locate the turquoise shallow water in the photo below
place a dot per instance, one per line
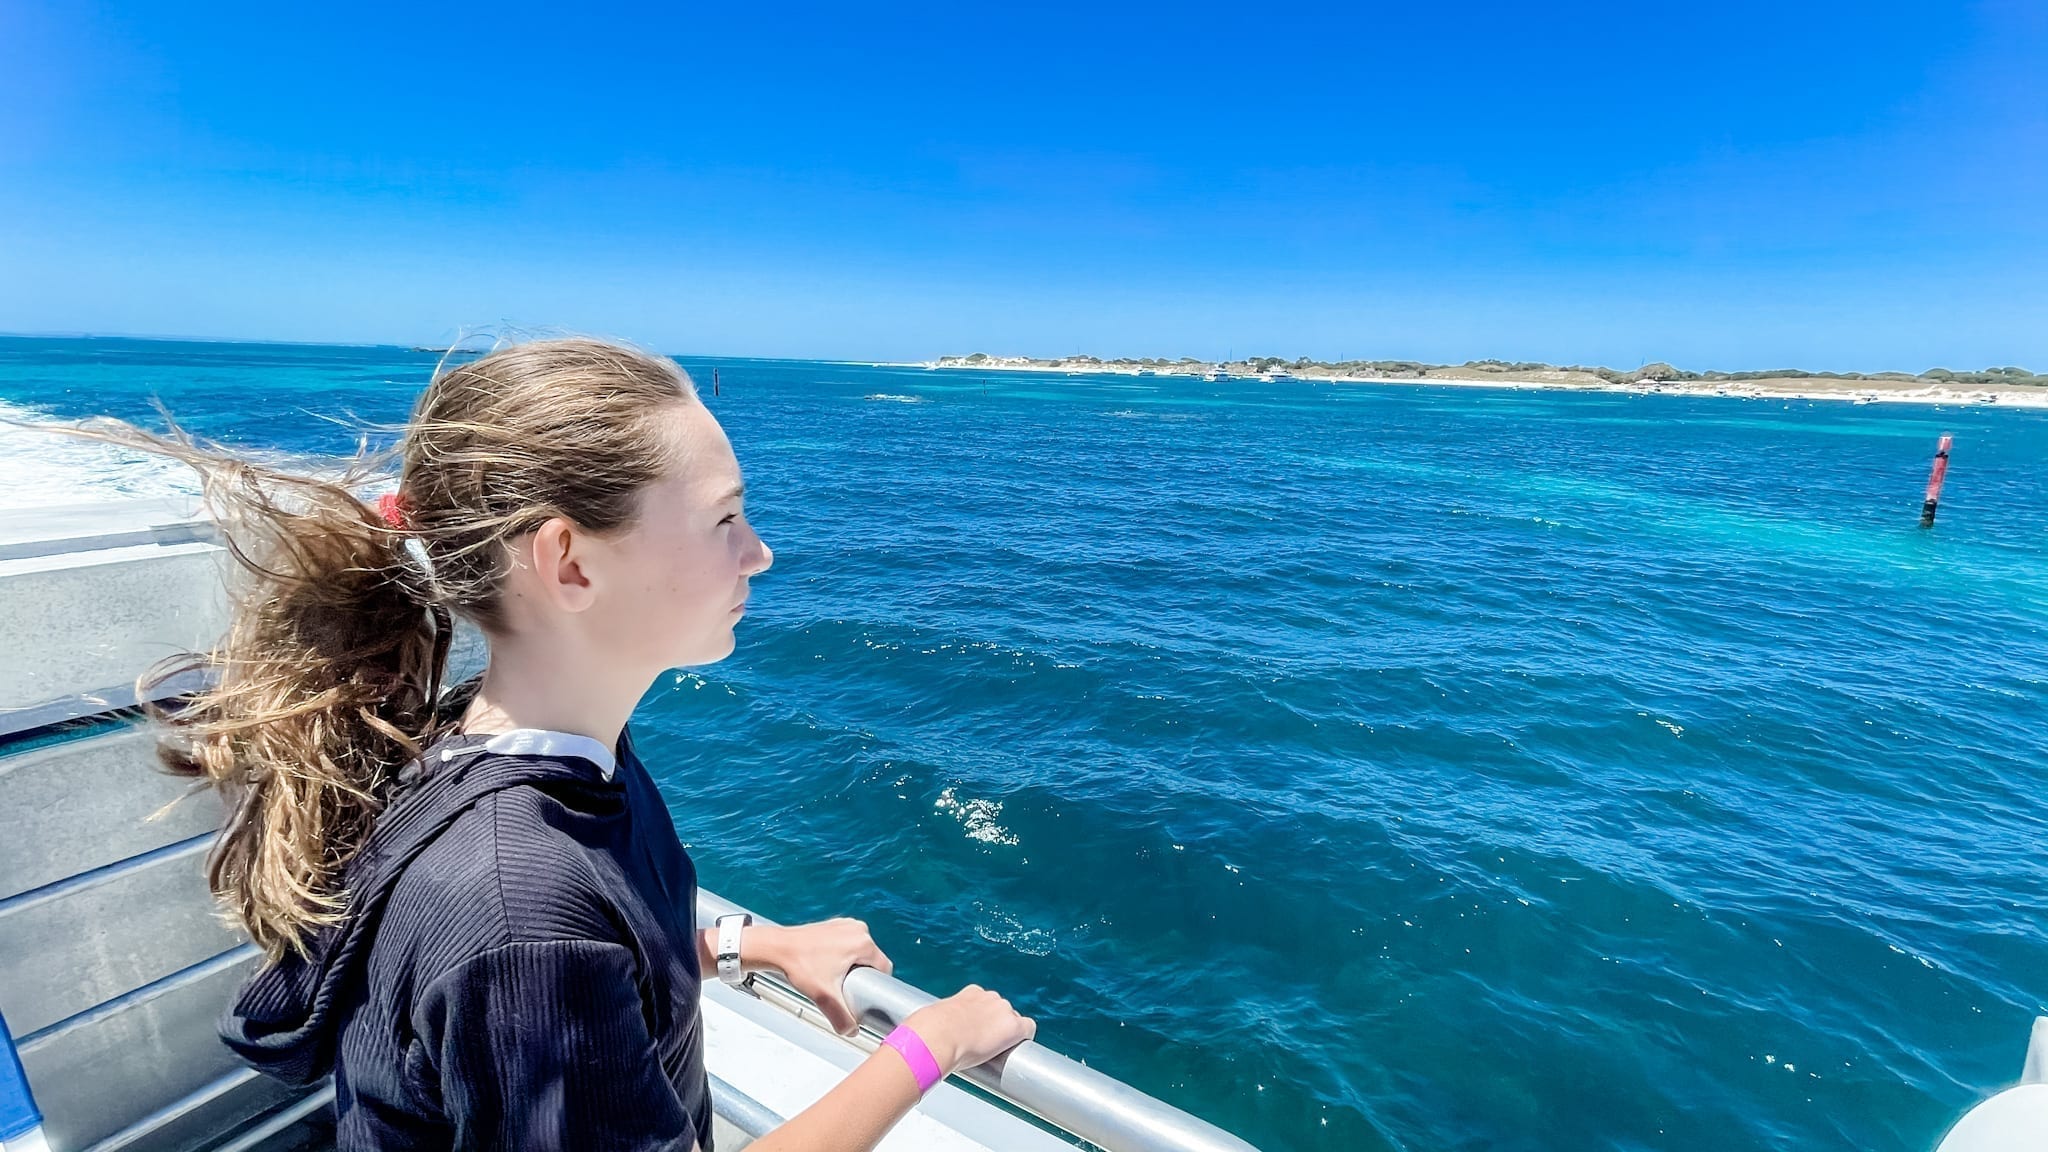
(1360, 767)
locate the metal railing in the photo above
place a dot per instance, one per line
(742, 1111)
(1065, 1093)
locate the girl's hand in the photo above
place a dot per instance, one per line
(816, 958)
(970, 1027)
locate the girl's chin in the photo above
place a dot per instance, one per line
(713, 652)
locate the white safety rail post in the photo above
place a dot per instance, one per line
(2015, 1120)
(2035, 1069)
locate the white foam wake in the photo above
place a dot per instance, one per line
(40, 469)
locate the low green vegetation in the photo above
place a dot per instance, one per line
(2005, 376)
(1416, 370)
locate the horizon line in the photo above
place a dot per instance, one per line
(937, 359)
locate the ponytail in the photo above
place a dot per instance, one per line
(321, 690)
(328, 681)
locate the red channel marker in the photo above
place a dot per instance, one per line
(1934, 480)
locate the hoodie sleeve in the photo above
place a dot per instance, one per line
(544, 1046)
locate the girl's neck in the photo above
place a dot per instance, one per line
(554, 685)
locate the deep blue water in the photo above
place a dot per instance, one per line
(1362, 767)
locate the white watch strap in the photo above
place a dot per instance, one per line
(729, 946)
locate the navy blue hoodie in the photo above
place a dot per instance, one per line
(518, 967)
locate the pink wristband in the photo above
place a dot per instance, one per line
(911, 1047)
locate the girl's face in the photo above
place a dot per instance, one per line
(677, 580)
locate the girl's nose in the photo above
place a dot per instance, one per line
(763, 559)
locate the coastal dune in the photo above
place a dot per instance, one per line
(2007, 387)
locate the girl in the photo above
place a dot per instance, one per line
(477, 914)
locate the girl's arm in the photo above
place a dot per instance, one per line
(814, 957)
(543, 1046)
(963, 1030)
(854, 1115)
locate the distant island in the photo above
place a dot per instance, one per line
(2015, 386)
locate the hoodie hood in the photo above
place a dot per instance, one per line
(286, 1019)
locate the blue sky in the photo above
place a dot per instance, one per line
(1733, 185)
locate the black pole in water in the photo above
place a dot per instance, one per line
(1934, 480)
(714, 381)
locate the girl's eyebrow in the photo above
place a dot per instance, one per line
(739, 491)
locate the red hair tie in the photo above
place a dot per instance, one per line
(396, 510)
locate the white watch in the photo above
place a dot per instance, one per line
(729, 946)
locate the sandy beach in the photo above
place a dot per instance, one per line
(1891, 389)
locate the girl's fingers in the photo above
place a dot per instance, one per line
(836, 1013)
(875, 958)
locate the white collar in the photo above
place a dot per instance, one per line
(544, 742)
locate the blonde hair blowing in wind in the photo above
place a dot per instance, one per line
(324, 686)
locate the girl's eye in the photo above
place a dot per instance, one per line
(730, 519)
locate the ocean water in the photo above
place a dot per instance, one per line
(1358, 767)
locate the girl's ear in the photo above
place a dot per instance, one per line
(560, 553)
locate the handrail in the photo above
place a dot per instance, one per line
(165, 535)
(283, 1118)
(176, 1110)
(24, 719)
(104, 874)
(155, 989)
(1065, 1093)
(744, 1112)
